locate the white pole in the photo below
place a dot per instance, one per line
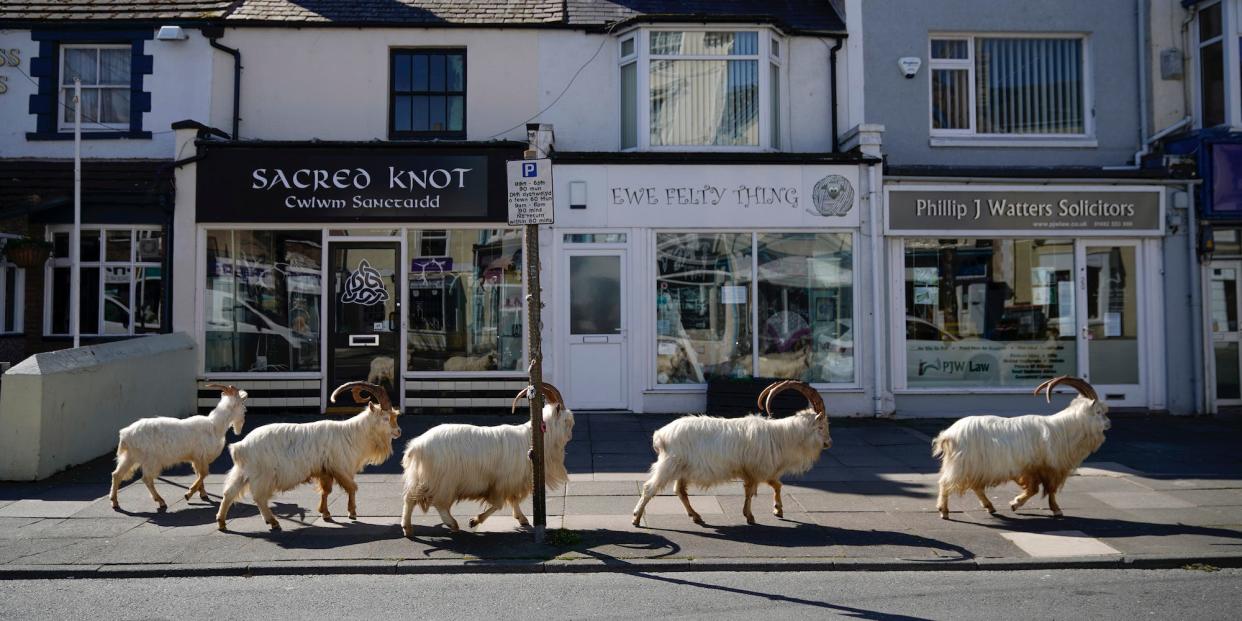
(75, 244)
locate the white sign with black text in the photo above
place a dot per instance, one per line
(530, 192)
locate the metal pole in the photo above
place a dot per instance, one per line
(75, 244)
(533, 306)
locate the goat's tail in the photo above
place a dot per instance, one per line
(237, 480)
(941, 446)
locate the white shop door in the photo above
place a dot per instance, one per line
(596, 376)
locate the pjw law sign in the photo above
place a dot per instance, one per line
(1043, 210)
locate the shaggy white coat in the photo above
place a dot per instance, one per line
(704, 451)
(156, 444)
(978, 452)
(279, 457)
(490, 464)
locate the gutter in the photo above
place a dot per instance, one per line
(213, 35)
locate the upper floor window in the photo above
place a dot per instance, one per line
(707, 89)
(1211, 36)
(104, 71)
(1008, 86)
(428, 94)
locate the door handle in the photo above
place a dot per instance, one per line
(364, 340)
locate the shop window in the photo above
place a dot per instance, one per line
(1008, 86)
(12, 293)
(701, 89)
(988, 312)
(121, 282)
(428, 94)
(801, 325)
(262, 300)
(465, 300)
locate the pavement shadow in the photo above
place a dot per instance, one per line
(805, 534)
(1103, 527)
(845, 611)
(519, 545)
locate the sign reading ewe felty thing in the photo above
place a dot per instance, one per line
(317, 184)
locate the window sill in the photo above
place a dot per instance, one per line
(103, 135)
(1025, 143)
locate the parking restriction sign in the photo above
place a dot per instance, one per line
(530, 192)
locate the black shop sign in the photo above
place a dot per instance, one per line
(349, 184)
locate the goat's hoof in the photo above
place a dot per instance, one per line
(275, 528)
(162, 508)
(188, 495)
(220, 525)
(636, 521)
(1057, 514)
(204, 497)
(991, 510)
(407, 531)
(944, 515)
(778, 513)
(750, 520)
(353, 516)
(116, 506)
(523, 523)
(472, 523)
(1013, 506)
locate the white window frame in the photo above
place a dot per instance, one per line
(860, 353)
(19, 292)
(642, 57)
(89, 123)
(102, 263)
(1231, 45)
(970, 136)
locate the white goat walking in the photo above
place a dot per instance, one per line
(491, 464)
(155, 444)
(279, 457)
(978, 452)
(706, 451)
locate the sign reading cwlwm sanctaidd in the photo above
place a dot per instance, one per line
(530, 192)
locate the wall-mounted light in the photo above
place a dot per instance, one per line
(171, 33)
(577, 195)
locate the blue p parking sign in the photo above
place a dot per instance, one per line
(530, 191)
(530, 169)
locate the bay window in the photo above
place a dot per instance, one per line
(754, 304)
(1008, 86)
(121, 282)
(717, 89)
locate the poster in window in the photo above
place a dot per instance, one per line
(926, 295)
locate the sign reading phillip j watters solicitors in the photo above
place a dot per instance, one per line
(1043, 210)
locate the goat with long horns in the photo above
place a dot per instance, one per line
(278, 457)
(706, 450)
(978, 452)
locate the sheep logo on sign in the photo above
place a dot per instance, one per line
(364, 286)
(833, 196)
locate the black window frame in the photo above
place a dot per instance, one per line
(393, 134)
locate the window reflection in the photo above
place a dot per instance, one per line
(465, 300)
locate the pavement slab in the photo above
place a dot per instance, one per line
(870, 500)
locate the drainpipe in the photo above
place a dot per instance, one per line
(1198, 374)
(879, 325)
(832, 76)
(213, 35)
(1142, 73)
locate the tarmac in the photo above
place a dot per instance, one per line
(1162, 492)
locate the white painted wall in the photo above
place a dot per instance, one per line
(179, 86)
(63, 408)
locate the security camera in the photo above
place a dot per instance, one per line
(909, 66)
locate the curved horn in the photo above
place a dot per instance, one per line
(521, 393)
(812, 396)
(1076, 383)
(1040, 388)
(553, 395)
(364, 391)
(229, 390)
(762, 402)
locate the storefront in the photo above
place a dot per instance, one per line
(998, 287)
(322, 263)
(666, 273)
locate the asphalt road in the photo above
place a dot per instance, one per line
(1063, 594)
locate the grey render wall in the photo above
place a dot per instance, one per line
(893, 29)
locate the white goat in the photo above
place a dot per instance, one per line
(466, 462)
(383, 369)
(706, 451)
(485, 362)
(281, 456)
(978, 452)
(155, 444)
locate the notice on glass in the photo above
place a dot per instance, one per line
(1041, 296)
(1112, 324)
(732, 294)
(926, 295)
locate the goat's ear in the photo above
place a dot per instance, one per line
(242, 395)
(819, 418)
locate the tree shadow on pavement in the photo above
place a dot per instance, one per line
(845, 611)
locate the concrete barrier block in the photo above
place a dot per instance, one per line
(62, 408)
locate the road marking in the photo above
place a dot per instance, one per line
(1060, 544)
